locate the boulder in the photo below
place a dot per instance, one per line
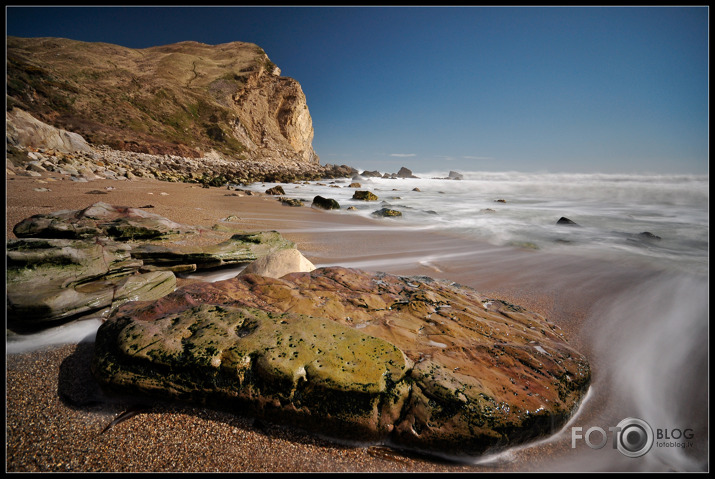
(276, 190)
(405, 173)
(421, 363)
(453, 175)
(279, 264)
(325, 203)
(365, 196)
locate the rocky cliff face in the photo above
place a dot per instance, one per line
(187, 99)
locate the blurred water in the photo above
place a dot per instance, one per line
(520, 209)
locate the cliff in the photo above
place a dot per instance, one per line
(188, 99)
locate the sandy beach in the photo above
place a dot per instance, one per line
(56, 413)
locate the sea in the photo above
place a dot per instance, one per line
(659, 220)
(650, 342)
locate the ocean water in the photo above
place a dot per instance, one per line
(522, 210)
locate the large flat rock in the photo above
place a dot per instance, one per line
(101, 219)
(420, 363)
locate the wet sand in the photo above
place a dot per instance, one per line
(55, 412)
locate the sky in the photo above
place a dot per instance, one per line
(531, 89)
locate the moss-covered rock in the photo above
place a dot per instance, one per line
(365, 196)
(309, 370)
(50, 280)
(386, 213)
(240, 248)
(480, 374)
(66, 265)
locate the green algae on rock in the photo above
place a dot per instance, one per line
(240, 248)
(74, 262)
(473, 374)
(365, 196)
(49, 280)
(386, 213)
(309, 369)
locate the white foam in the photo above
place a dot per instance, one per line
(70, 333)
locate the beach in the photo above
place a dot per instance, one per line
(56, 414)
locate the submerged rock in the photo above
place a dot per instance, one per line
(647, 235)
(566, 222)
(425, 364)
(386, 212)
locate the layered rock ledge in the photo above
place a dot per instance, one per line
(419, 363)
(89, 261)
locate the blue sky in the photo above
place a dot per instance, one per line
(534, 89)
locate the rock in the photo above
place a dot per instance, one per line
(291, 202)
(50, 280)
(455, 175)
(500, 200)
(424, 364)
(647, 235)
(416, 189)
(276, 190)
(25, 130)
(240, 248)
(279, 264)
(371, 174)
(566, 222)
(365, 196)
(325, 203)
(255, 114)
(405, 173)
(354, 185)
(100, 219)
(386, 212)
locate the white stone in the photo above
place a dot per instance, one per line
(279, 263)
